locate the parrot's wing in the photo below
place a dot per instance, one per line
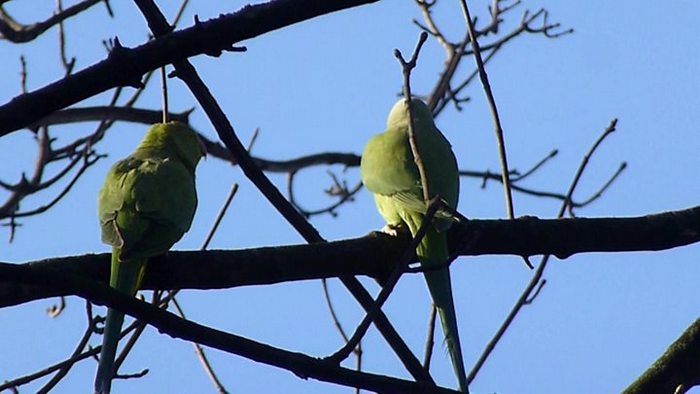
(114, 194)
(147, 206)
(387, 165)
(165, 199)
(388, 169)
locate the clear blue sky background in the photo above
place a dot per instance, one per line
(327, 85)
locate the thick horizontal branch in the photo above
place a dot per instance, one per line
(300, 364)
(679, 366)
(218, 269)
(374, 255)
(125, 66)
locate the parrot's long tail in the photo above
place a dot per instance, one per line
(126, 277)
(110, 339)
(432, 251)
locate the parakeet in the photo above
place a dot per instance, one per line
(389, 171)
(146, 204)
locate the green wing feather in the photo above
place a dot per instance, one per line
(146, 204)
(388, 170)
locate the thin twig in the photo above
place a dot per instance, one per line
(87, 163)
(599, 193)
(23, 74)
(164, 94)
(406, 68)
(430, 338)
(345, 195)
(93, 352)
(498, 129)
(442, 93)
(63, 371)
(489, 176)
(608, 130)
(431, 27)
(336, 321)
(494, 110)
(358, 365)
(454, 92)
(67, 64)
(140, 328)
(536, 167)
(331, 310)
(202, 356)
(18, 33)
(231, 194)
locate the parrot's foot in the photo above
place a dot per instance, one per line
(392, 230)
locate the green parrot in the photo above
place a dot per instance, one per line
(390, 173)
(146, 204)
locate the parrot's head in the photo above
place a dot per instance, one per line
(398, 117)
(177, 139)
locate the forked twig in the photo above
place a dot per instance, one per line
(406, 68)
(525, 297)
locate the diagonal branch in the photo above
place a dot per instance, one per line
(18, 33)
(227, 134)
(677, 370)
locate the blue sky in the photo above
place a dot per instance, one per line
(327, 85)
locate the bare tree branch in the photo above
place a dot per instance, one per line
(18, 33)
(373, 254)
(100, 113)
(498, 129)
(125, 66)
(536, 282)
(677, 370)
(300, 364)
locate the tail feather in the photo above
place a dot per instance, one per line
(110, 339)
(454, 347)
(432, 251)
(126, 276)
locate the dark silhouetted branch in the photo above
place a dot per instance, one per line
(372, 255)
(677, 370)
(126, 66)
(300, 364)
(15, 32)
